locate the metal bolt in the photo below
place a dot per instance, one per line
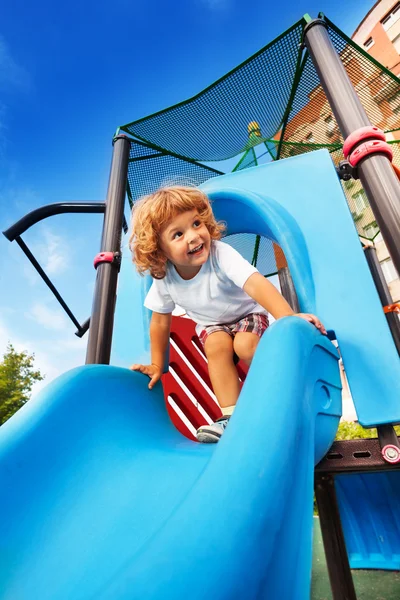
(392, 453)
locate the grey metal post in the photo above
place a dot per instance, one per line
(375, 172)
(384, 293)
(288, 290)
(102, 319)
(337, 561)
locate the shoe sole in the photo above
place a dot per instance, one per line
(207, 437)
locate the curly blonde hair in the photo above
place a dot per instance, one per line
(151, 214)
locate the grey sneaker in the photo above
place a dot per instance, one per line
(210, 434)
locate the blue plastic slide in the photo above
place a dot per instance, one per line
(103, 498)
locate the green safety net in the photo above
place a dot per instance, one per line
(270, 107)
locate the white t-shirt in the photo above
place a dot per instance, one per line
(214, 295)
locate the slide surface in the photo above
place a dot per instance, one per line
(369, 506)
(102, 498)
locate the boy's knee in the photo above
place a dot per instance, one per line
(245, 347)
(217, 347)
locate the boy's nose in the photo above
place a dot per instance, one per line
(192, 239)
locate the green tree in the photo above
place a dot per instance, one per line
(353, 431)
(17, 376)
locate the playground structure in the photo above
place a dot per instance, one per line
(128, 507)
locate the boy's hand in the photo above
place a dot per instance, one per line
(312, 319)
(152, 371)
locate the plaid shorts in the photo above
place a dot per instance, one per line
(253, 323)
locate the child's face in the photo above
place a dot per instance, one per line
(186, 243)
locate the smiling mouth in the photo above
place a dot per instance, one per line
(197, 249)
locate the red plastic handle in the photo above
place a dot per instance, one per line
(103, 257)
(361, 134)
(368, 148)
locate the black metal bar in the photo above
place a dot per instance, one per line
(375, 171)
(387, 435)
(102, 319)
(83, 328)
(287, 288)
(383, 292)
(354, 456)
(50, 210)
(47, 281)
(332, 534)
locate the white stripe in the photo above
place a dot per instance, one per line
(181, 415)
(190, 395)
(195, 373)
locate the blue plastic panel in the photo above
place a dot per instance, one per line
(102, 498)
(300, 204)
(370, 513)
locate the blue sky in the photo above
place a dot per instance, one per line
(70, 74)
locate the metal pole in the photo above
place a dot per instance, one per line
(375, 171)
(288, 290)
(102, 319)
(49, 210)
(286, 283)
(332, 534)
(384, 293)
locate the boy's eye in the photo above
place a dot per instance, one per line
(197, 223)
(177, 235)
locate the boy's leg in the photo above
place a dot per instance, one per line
(248, 334)
(245, 345)
(221, 368)
(225, 381)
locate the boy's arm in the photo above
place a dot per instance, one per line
(266, 294)
(160, 326)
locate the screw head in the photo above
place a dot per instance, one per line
(391, 454)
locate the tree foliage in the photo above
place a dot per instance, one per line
(17, 376)
(353, 431)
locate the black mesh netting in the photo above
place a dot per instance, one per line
(357, 200)
(213, 125)
(311, 123)
(260, 254)
(148, 172)
(273, 101)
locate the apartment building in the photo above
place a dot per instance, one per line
(378, 35)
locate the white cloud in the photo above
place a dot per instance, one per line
(51, 250)
(52, 357)
(54, 252)
(49, 318)
(11, 73)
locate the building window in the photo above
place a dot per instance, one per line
(310, 139)
(391, 17)
(394, 102)
(371, 230)
(389, 271)
(396, 44)
(369, 43)
(330, 125)
(360, 202)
